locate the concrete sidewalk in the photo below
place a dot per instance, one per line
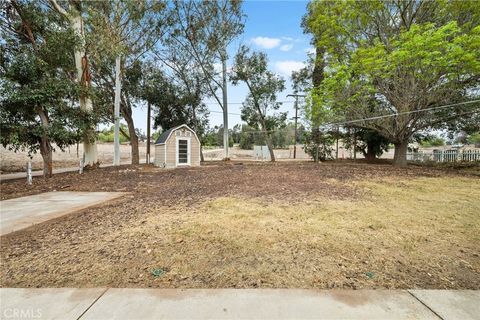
(97, 303)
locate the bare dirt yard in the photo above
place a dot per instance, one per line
(284, 225)
(11, 161)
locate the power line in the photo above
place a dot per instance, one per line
(217, 104)
(400, 113)
(231, 113)
(384, 116)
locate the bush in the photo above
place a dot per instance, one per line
(474, 139)
(433, 142)
(108, 137)
(318, 143)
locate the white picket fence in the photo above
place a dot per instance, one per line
(445, 156)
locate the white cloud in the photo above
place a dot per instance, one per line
(287, 38)
(286, 47)
(286, 67)
(266, 42)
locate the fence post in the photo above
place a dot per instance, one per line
(29, 172)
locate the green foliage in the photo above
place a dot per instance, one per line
(429, 56)
(251, 68)
(214, 137)
(173, 103)
(368, 141)
(432, 141)
(36, 67)
(108, 135)
(474, 139)
(319, 145)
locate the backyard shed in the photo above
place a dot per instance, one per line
(177, 147)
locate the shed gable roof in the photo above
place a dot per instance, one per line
(165, 135)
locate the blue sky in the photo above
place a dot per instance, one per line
(274, 28)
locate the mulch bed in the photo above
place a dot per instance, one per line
(150, 189)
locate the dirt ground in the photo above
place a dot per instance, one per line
(284, 225)
(11, 161)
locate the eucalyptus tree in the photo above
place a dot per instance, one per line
(396, 61)
(203, 30)
(251, 68)
(176, 100)
(37, 82)
(73, 13)
(180, 72)
(130, 29)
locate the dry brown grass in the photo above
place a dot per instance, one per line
(418, 224)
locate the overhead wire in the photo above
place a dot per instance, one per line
(382, 116)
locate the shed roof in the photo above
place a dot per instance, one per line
(166, 134)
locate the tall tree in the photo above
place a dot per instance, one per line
(130, 29)
(73, 14)
(397, 60)
(37, 82)
(263, 86)
(174, 102)
(204, 29)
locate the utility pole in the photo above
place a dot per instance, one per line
(336, 152)
(296, 117)
(225, 104)
(149, 111)
(354, 143)
(116, 137)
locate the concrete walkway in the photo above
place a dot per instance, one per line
(20, 213)
(39, 173)
(97, 303)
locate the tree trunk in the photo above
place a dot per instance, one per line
(126, 109)
(400, 155)
(47, 156)
(370, 154)
(133, 139)
(268, 140)
(45, 146)
(83, 78)
(149, 109)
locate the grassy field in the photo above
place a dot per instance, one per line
(283, 226)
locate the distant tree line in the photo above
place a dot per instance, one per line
(245, 136)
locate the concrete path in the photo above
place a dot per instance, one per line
(66, 303)
(20, 213)
(39, 173)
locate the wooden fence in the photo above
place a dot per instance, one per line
(445, 156)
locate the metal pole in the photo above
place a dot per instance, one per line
(296, 117)
(225, 104)
(149, 110)
(354, 144)
(82, 164)
(116, 137)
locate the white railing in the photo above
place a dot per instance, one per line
(445, 156)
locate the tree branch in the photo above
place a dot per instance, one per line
(59, 9)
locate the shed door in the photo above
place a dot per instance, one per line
(183, 152)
